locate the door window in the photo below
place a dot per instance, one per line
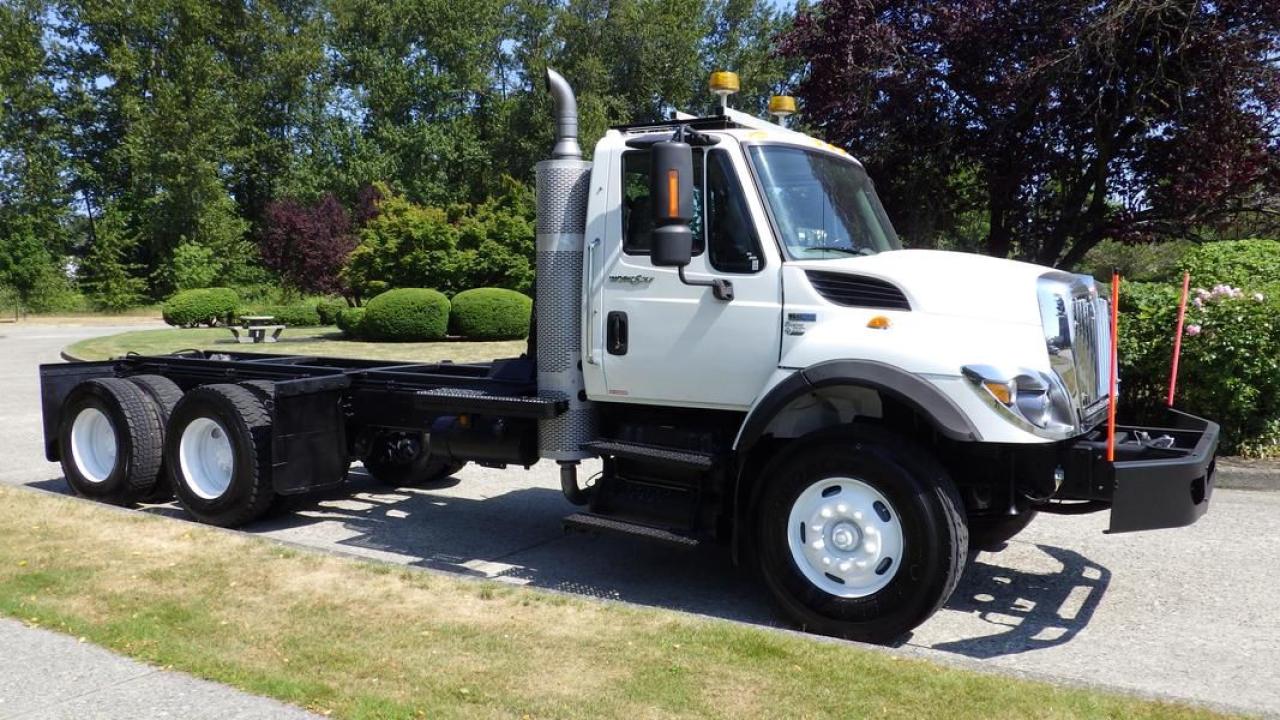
(734, 246)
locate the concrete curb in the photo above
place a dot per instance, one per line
(1242, 474)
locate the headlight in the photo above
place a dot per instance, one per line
(1027, 397)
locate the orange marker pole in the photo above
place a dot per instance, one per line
(1115, 370)
(1177, 337)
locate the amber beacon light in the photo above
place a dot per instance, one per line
(782, 107)
(724, 84)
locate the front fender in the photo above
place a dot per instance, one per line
(945, 415)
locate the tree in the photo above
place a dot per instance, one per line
(111, 281)
(1071, 121)
(33, 201)
(451, 249)
(307, 245)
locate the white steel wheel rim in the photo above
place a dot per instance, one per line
(845, 537)
(206, 457)
(93, 445)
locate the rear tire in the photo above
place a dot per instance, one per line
(404, 460)
(218, 451)
(860, 534)
(110, 441)
(165, 393)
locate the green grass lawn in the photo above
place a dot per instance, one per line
(364, 640)
(323, 341)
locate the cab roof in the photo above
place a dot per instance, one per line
(737, 124)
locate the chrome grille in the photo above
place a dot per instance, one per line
(1090, 350)
(1077, 331)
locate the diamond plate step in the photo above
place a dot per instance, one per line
(666, 456)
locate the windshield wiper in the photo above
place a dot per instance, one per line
(838, 248)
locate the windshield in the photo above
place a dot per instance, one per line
(824, 206)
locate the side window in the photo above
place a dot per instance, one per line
(731, 236)
(637, 215)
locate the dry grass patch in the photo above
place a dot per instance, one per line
(363, 640)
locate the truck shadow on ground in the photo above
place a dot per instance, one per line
(1026, 610)
(515, 536)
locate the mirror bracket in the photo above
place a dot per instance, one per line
(720, 288)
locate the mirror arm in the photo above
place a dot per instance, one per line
(721, 289)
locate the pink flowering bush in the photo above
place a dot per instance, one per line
(1230, 368)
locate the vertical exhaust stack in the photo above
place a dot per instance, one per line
(562, 218)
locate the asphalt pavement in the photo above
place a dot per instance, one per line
(1191, 614)
(49, 676)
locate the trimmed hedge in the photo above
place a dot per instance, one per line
(204, 306)
(407, 315)
(1230, 366)
(490, 314)
(328, 310)
(1252, 264)
(351, 322)
(297, 315)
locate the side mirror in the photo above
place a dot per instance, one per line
(671, 194)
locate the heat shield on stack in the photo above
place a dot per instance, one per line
(562, 215)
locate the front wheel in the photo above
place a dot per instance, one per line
(860, 534)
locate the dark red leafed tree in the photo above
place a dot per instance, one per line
(307, 245)
(1056, 123)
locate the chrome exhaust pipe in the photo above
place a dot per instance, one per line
(566, 147)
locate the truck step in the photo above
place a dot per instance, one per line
(462, 400)
(587, 522)
(689, 459)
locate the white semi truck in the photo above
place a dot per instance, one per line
(726, 318)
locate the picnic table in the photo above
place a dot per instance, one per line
(255, 329)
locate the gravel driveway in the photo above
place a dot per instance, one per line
(1192, 613)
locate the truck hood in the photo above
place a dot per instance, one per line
(951, 283)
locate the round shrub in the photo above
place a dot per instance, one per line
(350, 321)
(205, 306)
(328, 310)
(407, 315)
(490, 314)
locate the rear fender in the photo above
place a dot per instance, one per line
(56, 382)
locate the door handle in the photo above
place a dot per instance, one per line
(616, 333)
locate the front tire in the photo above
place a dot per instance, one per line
(218, 451)
(860, 534)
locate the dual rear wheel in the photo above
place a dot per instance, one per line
(140, 439)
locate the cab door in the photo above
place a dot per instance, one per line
(664, 342)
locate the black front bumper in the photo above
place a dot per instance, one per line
(1148, 486)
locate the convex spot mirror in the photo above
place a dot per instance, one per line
(671, 193)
